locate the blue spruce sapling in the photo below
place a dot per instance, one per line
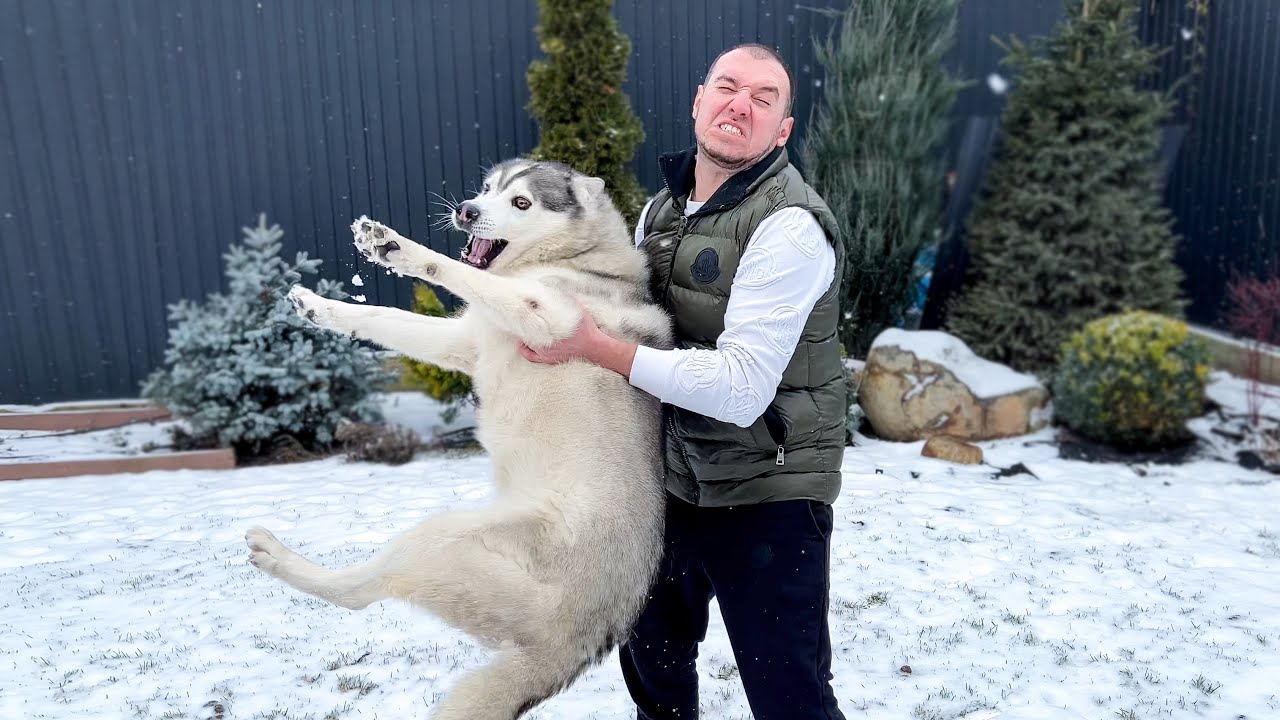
(245, 371)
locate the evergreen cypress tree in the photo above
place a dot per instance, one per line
(584, 117)
(244, 370)
(1071, 226)
(873, 152)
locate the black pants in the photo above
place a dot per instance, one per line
(767, 566)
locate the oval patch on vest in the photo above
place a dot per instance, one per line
(706, 267)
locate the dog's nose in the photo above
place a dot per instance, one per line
(467, 213)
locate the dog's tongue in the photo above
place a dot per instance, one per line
(480, 248)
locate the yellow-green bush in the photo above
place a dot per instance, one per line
(450, 387)
(1132, 380)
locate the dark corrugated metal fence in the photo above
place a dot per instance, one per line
(138, 136)
(1225, 187)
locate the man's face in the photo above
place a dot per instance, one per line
(740, 115)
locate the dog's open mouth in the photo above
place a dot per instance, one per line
(480, 252)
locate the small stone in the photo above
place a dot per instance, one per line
(945, 447)
(905, 669)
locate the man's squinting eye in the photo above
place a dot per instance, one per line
(521, 203)
(762, 101)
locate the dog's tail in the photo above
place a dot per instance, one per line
(515, 681)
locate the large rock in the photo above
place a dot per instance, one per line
(921, 383)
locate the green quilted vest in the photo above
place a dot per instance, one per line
(793, 451)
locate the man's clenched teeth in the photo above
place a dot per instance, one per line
(731, 129)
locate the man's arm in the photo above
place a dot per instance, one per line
(788, 265)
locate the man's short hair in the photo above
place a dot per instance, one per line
(760, 52)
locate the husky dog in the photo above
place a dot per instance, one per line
(555, 569)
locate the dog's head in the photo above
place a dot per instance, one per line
(529, 209)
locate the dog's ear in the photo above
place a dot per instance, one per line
(588, 188)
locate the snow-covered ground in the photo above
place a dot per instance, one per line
(1081, 591)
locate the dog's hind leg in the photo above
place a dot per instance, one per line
(486, 572)
(355, 587)
(470, 568)
(514, 682)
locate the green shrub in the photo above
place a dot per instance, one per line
(1132, 380)
(449, 387)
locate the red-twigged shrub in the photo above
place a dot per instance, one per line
(1255, 314)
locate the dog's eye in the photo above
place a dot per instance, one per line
(521, 203)
(484, 188)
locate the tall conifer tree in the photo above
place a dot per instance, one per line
(584, 117)
(1072, 224)
(873, 151)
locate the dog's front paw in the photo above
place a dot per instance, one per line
(379, 243)
(311, 307)
(265, 551)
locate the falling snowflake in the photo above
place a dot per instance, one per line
(997, 83)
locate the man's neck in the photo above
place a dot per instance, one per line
(707, 179)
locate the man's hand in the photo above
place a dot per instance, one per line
(588, 342)
(578, 345)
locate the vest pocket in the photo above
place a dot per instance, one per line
(777, 427)
(718, 451)
(770, 433)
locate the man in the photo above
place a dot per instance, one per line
(747, 259)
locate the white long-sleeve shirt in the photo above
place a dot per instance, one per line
(788, 264)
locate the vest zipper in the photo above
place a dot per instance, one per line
(781, 456)
(684, 451)
(671, 268)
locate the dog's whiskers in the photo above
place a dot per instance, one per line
(445, 202)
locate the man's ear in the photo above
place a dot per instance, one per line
(697, 100)
(785, 131)
(588, 188)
